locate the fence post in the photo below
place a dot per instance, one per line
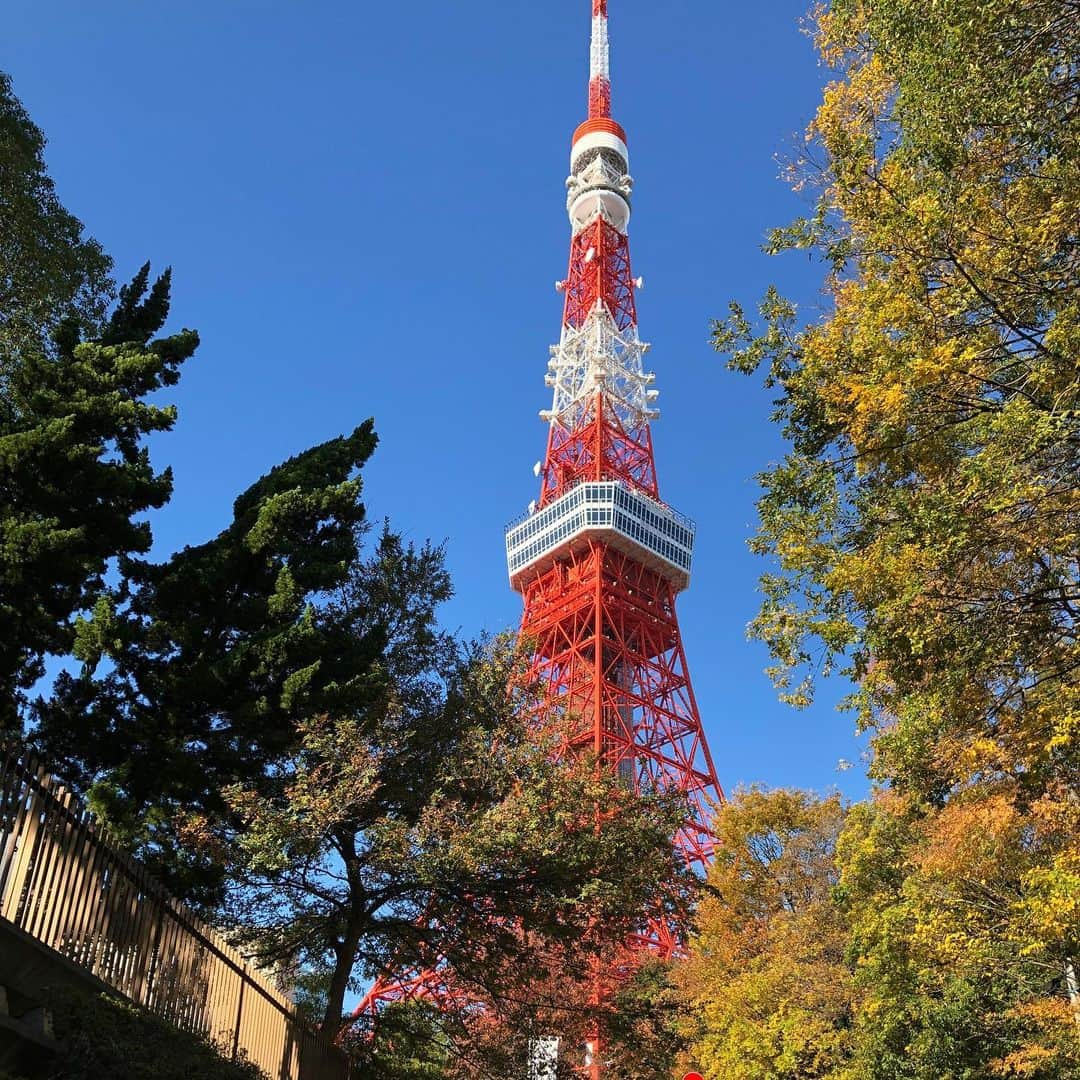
(155, 959)
(239, 1014)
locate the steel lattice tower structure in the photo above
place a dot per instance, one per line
(599, 558)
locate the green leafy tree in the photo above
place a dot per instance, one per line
(75, 476)
(434, 826)
(198, 671)
(925, 522)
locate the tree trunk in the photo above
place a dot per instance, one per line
(1072, 986)
(345, 957)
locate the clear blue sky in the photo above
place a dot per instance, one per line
(363, 207)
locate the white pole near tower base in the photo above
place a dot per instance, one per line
(543, 1059)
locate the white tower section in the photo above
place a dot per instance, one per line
(597, 356)
(600, 50)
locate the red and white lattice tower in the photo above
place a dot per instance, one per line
(600, 558)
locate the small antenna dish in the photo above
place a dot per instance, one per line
(590, 255)
(532, 507)
(536, 469)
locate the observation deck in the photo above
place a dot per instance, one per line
(657, 536)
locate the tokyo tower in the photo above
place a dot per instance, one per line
(599, 558)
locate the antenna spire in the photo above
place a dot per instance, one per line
(599, 63)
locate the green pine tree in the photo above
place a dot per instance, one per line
(75, 474)
(49, 271)
(196, 671)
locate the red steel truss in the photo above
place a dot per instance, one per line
(600, 271)
(599, 448)
(608, 650)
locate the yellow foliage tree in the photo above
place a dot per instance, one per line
(767, 988)
(926, 524)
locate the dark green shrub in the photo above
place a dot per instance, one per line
(103, 1036)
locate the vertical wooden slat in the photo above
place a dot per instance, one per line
(31, 862)
(29, 825)
(42, 856)
(69, 883)
(69, 860)
(147, 986)
(16, 798)
(80, 884)
(239, 1020)
(47, 866)
(52, 866)
(100, 911)
(123, 933)
(147, 932)
(86, 901)
(166, 986)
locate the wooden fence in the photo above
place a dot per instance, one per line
(65, 884)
